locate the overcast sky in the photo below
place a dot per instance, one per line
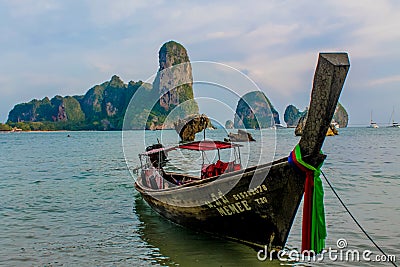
(65, 47)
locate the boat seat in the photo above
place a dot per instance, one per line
(237, 167)
(207, 171)
(218, 168)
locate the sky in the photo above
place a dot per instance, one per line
(51, 47)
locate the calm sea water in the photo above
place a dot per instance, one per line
(70, 201)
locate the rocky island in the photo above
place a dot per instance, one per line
(255, 111)
(293, 115)
(103, 106)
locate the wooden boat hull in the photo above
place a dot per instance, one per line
(257, 205)
(256, 216)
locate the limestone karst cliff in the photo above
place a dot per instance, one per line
(293, 115)
(255, 111)
(103, 106)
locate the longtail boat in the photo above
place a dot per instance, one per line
(253, 205)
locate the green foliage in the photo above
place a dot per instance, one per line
(24, 111)
(256, 111)
(21, 125)
(44, 110)
(73, 109)
(104, 106)
(5, 127)
(175, 52)
(91, 103)
(292, 115)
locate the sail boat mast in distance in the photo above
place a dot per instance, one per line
(372, 124)
(393, 124)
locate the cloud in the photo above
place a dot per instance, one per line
(222, 34)
(275, 42)
(104, 12)
(385, 80)
(374, 26)
(31, 8)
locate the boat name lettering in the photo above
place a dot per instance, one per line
(242, 195)
(219, 200)
(261, 200)
(235, 208)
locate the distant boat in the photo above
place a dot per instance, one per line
(16, 130)
(332, 130)
(372, 124)
(393, 124)
(335, 124)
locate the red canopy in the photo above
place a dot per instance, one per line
(207, 145)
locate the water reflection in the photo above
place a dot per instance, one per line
(177, 246)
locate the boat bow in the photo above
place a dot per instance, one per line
(329, 78)
(262, 215)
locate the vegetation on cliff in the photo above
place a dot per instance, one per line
(5, 127)
(174, 85)
(293, 115)
(255, 111)
(103, 106)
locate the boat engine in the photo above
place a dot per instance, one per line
(158, 159)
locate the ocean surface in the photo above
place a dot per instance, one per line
(70, 201)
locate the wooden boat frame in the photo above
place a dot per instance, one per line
(261, 213)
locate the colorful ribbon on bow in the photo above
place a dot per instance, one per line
(313, 226)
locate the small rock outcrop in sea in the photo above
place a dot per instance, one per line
(255, 111)
(229, 124)
(189, 126)
(240, 136)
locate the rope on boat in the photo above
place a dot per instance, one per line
(355, 220)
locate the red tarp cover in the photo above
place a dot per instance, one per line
(207, 145)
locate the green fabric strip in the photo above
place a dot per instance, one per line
(318, 225)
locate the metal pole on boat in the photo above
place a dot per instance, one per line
(240, 159)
